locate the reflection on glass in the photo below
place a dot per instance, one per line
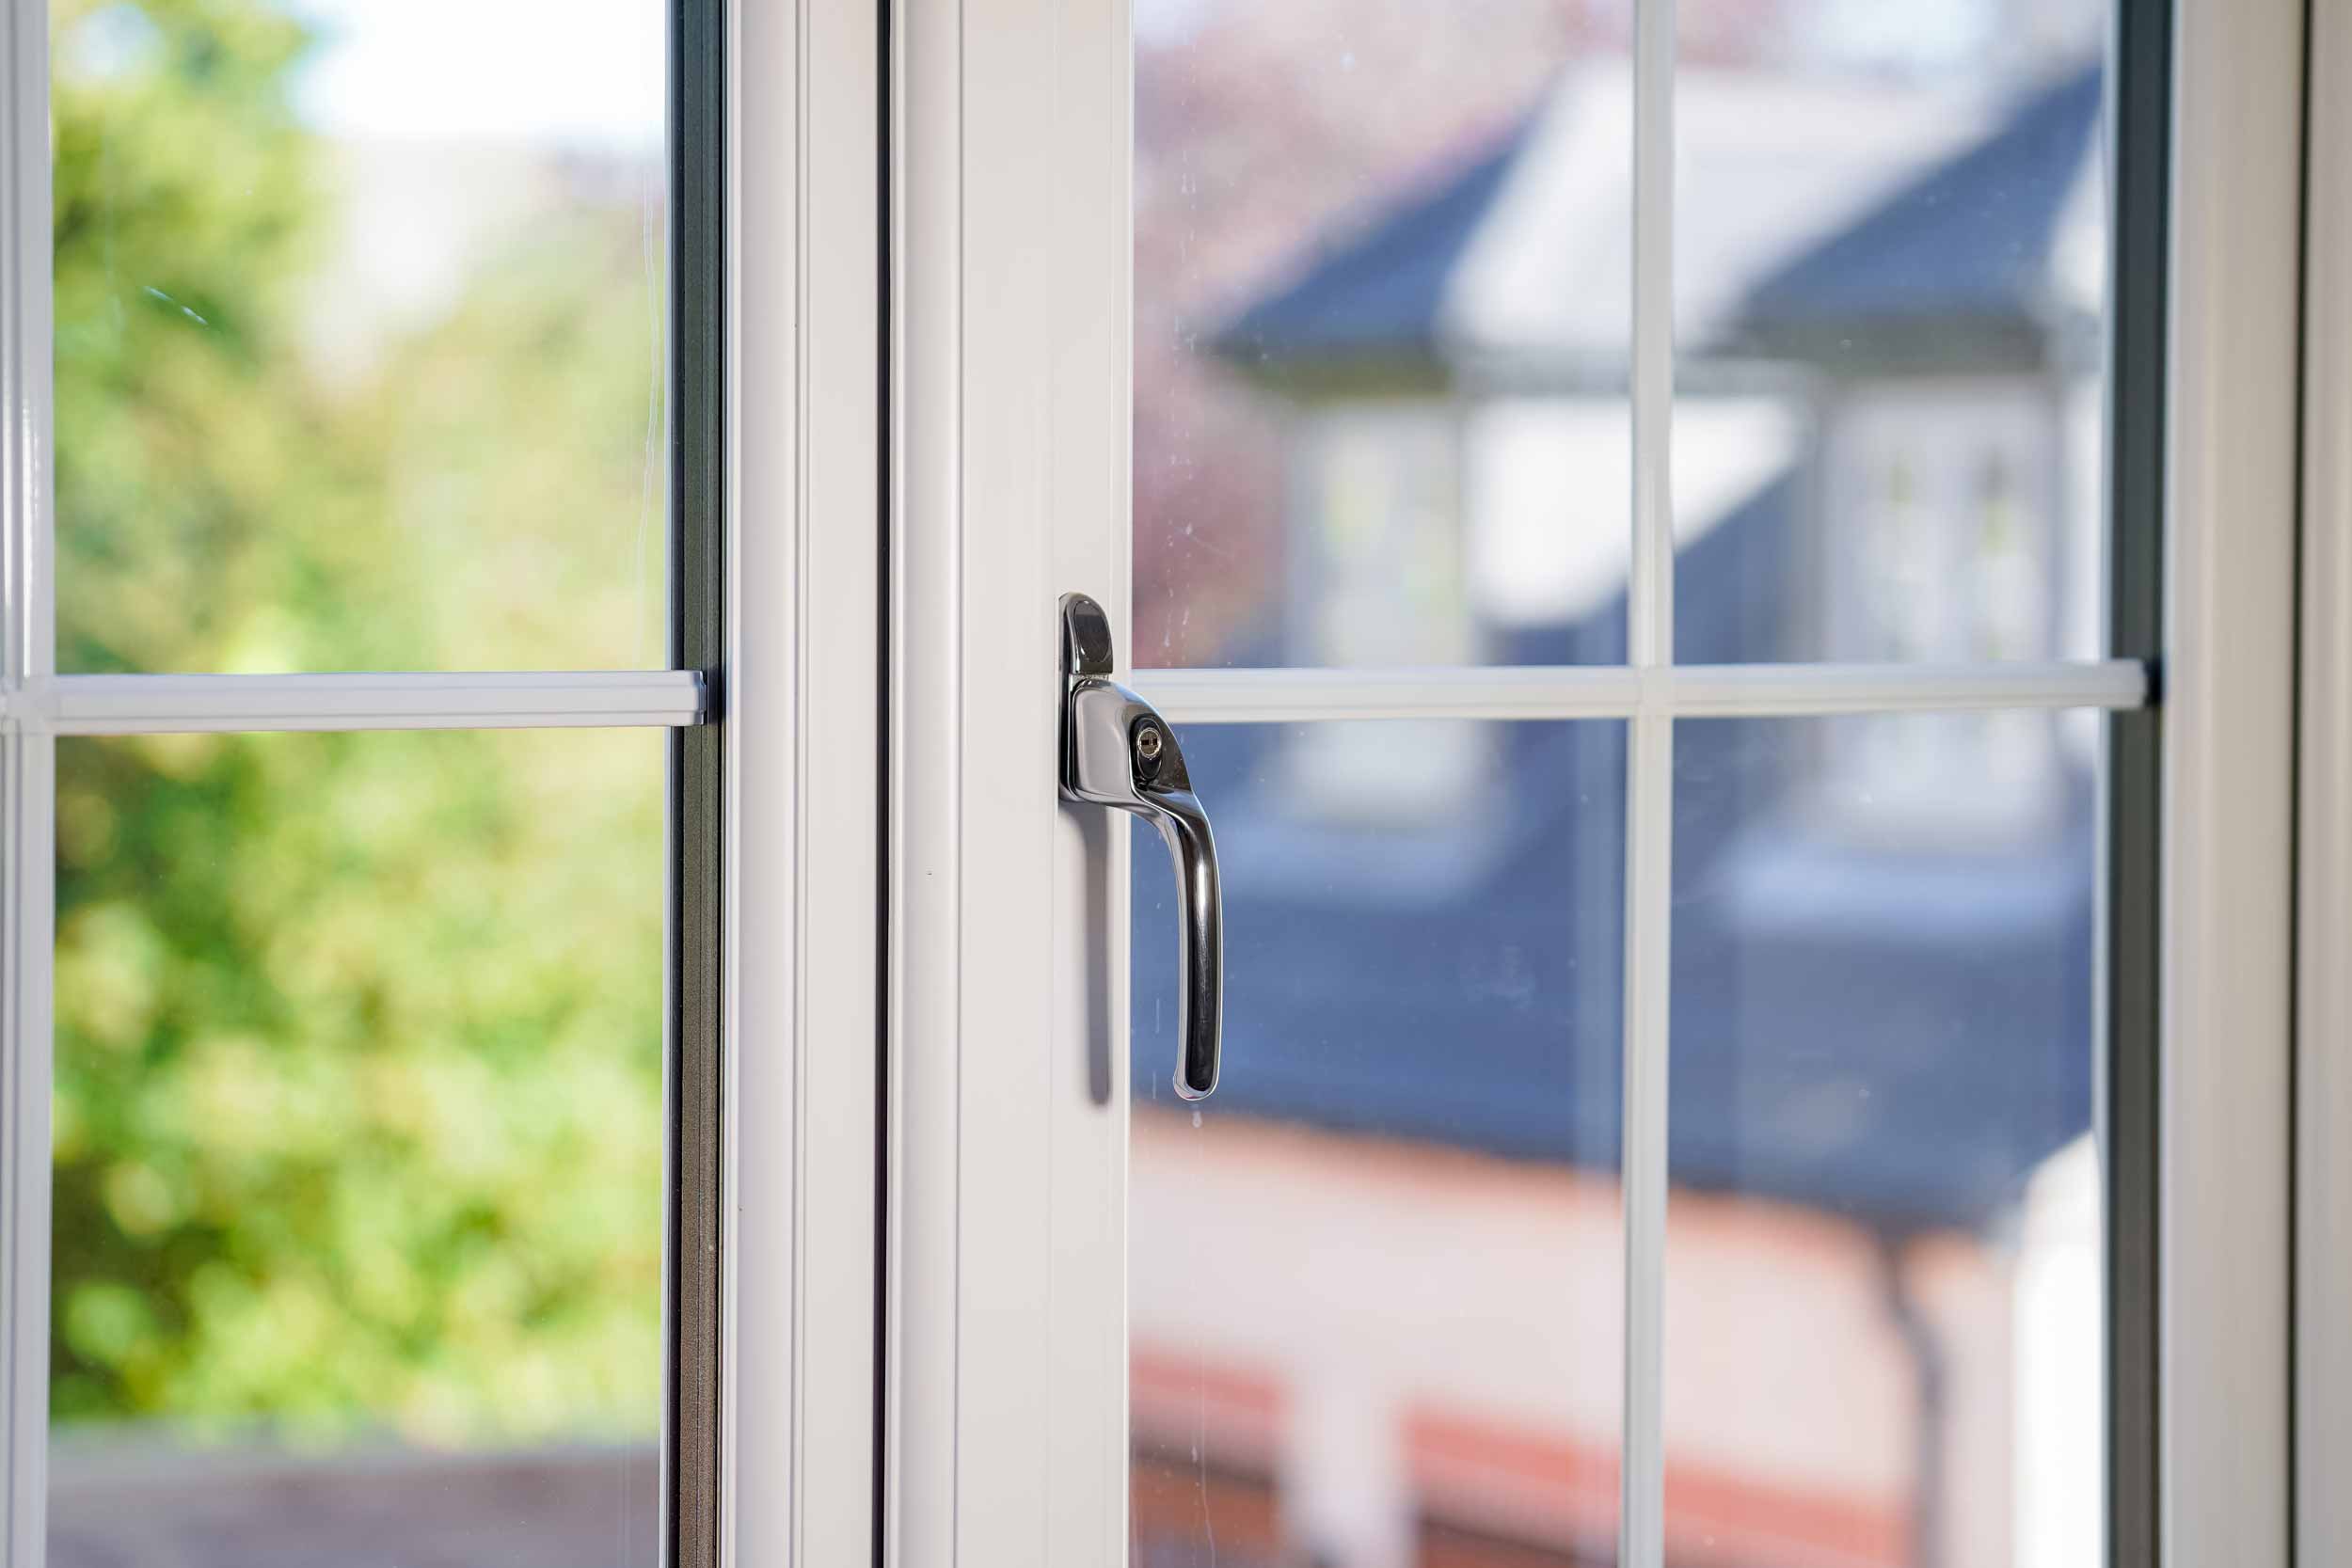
(360, 350)
(1382, 311)
(1375, 1283)
(1883, 1297)
(359, 1189)
(1890, 252)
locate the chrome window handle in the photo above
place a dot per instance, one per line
(1117, 752)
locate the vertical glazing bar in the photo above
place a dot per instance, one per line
(1650, 634)
(1649, 794)
(26, 773)
(1649, 868)
(27, 784)
(24, 383)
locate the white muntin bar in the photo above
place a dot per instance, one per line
(1648, 985)
(26, 771)
(28, 794)
(1248, 696)
(1797, 691)
(28, 789)
(1302, 696)
(150, 704)
(1650, 793)
(1650, 634)
(26, 536)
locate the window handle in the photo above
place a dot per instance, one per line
(1117, 752)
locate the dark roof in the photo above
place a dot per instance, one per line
(1378, 290)
(1903, 1037)
(1971, 237)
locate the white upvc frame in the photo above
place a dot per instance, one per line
(802, 690)
(2322, 1066)
(801, 687)
(1006, 1406)
(1007, 1401)
(2225, 1115)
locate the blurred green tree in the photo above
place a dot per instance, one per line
(359, 1072)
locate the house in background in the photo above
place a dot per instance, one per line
(1887, 446)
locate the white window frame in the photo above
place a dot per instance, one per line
(802, 690)
(2322, 1066)
(1003, 1317)
(794, 699)
(1006, 1408)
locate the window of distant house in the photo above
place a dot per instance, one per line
(1378, 580)
(1943, 499)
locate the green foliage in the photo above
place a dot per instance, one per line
(358, 1070)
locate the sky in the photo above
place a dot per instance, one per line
(577, 72)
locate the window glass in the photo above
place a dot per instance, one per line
(1889, 347)
(359, 1150)
(1382, 296)
(361, 314)
(1883, 1279)
(1376, 1282)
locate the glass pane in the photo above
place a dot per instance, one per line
(1889, 425)
(1382, 308)
(1375, 1283)
(1884, 1288)
(361, 314)
(358, 1226)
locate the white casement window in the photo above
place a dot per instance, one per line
(1826, 1098)
(1722, 579)
(402, 1107)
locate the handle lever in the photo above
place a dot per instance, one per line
(1117, 752)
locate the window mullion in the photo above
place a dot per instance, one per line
(1649, 796)
(26, 539)
(27, 779)
(27, 773)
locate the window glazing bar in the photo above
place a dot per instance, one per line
(27, 791)
(1650, 604)
(1244, 696)
(148, 704)
(1649, 796)
(25, 598)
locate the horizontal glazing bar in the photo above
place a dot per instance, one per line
(1684, 692)
(1286, 696)
(146, 704)
(1793, 691)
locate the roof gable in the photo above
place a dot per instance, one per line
(1523, 251)
(1971, 237)
(1381, 290)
